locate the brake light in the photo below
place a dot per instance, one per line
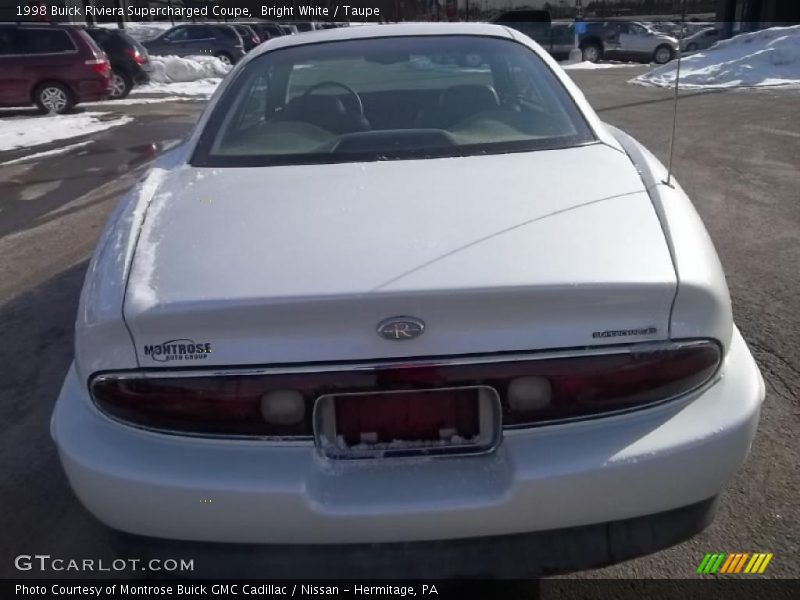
(99, 65)
(532, 390)
(136, 56)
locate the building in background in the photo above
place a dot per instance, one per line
(749, 15)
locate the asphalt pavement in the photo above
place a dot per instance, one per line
(737, 155)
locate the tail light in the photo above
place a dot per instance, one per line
(136, 56)
(532, 390)
(99, 65)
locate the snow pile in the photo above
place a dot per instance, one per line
(176, 69)
(23, 132)
(186, 76)
(586, 65)
(770, 57)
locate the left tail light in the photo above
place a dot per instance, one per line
(101, 66)
(136, 56)
(533, 390)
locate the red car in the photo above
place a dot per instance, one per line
(52, 66)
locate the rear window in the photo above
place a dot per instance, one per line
(226, 32)
(6, 40)
(390, 98)
(42, 41)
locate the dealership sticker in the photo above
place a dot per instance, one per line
(180, 349)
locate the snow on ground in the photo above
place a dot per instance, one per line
(110, 104)
(54, 152)
(770, 57)
(200, 89)
(590, 65)
(24, 132)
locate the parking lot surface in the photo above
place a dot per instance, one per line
(736, 155)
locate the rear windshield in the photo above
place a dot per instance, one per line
(390, 98)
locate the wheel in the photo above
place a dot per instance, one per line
(691, 47)
(53, 98)
(663, 54)
(592, 52)
(225, 58)
(121, 85)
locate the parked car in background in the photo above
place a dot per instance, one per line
(289, 29)
(130, 63)
(250, 38)
(558, 38)
(52, 66)
(626, 40)
(266, 31)
(705, 38)
(222, 41)
(303, 26)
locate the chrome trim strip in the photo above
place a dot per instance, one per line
(222, 371)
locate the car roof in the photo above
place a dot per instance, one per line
(381, 31)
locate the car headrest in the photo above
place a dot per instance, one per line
(470, 98)
(319, 109)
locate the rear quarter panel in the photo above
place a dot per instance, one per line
(702, 305)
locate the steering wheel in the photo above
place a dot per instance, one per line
(347, 88)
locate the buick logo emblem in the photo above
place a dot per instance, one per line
(401, 328)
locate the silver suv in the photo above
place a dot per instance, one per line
(626, 40)
(217, 40)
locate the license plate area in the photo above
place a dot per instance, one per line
(406, 423)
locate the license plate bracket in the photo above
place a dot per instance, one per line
(407, 423)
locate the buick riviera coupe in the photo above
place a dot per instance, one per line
(402, 300)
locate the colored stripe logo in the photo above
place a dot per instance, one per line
(733, 563)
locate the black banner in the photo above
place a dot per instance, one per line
(195, 10)
(566, 589)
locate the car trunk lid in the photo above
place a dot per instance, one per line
(512, 252)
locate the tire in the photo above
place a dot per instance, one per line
(53, 98)
(692, 47)
(591, 52)
(663, 54)
(121, 85)
(224, 57)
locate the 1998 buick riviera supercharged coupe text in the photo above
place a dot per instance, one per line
(402, 285)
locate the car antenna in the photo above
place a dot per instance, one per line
(668, 181)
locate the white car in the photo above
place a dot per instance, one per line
(401, 285)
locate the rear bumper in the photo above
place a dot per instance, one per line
(552, 478)
(91, 90)
(141, 77)
(518, 556)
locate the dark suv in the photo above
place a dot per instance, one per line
(250, 38)
(130, 64)
(52, 66)
(221, 41)
(266, 30)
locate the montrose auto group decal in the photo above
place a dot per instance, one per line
(180, 349)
